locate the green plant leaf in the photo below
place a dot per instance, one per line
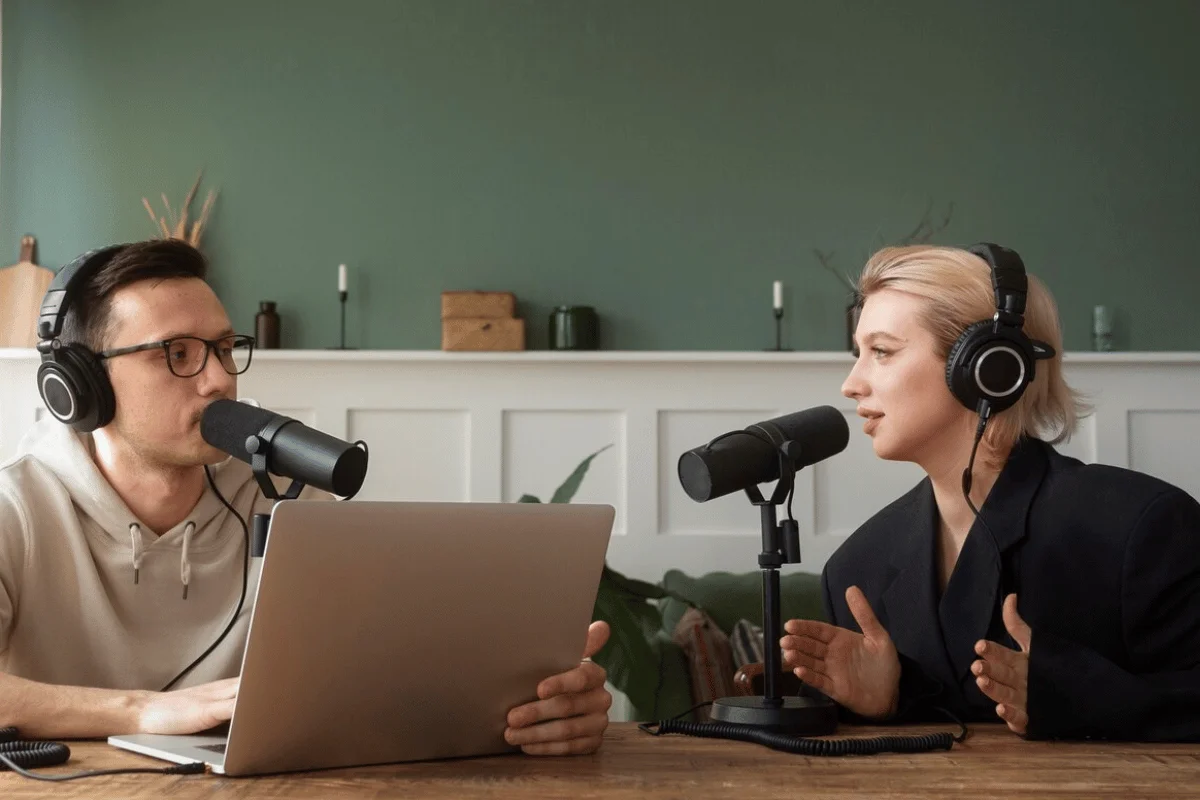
(528, 498)
(570, 486)
(633, 657)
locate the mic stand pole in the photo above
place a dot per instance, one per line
(803, 715)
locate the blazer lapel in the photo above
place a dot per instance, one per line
(970, 609)
(909, 603)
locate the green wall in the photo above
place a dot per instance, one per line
(662, 161)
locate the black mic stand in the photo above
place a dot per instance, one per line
(802, 715)
(258, 446)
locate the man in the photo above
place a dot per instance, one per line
(120, 565)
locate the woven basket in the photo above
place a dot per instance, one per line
(478, 305)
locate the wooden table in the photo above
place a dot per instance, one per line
(631, 764)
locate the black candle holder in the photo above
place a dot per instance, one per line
(778, 348)
(342, 326)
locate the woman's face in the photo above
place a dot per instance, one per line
(899, 383)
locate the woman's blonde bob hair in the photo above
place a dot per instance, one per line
(957, 289)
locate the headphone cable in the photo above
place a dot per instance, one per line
(245, 580)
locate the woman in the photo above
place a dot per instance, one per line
(1069, 605)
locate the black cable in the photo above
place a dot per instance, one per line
(18, 755)
(791, 493)
(245, 580)
(968, 477)
(804, 746)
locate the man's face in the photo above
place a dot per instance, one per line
(157, 413)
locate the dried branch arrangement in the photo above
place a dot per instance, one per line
(923, 233)
(926, 228)
(177, 226)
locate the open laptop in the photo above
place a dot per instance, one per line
(393, 631)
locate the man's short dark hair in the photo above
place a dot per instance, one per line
(89, 320)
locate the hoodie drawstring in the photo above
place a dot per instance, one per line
(185, 563)
(135, 533)
(185, 566)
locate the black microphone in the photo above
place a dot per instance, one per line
(292, 449)
(741, 460)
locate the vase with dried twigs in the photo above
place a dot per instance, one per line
(926, 228)
(175, 224)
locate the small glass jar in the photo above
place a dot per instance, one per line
(574, 328)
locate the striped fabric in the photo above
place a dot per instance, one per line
(746, 640)
(710, 659)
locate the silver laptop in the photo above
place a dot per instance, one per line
(389, 631)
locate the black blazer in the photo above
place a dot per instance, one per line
(1106, 566)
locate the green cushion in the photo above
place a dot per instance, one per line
(728, 597)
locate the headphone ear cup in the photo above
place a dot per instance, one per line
(986, 364)
(75, 388)
(100, 386)
(959, 364)
(60, 390)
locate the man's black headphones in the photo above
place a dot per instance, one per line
(71, 378)
(993, 360)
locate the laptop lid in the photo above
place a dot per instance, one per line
(397, 631)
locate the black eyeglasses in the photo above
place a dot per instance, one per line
(188, 355)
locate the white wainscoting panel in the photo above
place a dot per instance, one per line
(532, 452)
(415, 454)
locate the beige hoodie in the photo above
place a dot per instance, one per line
(90, 597)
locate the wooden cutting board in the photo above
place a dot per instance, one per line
(22, 287)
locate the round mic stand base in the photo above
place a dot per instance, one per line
(799, 716)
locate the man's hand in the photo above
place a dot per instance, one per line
(187, 710)
(858, 671)
(1003, 674)
(571, 712)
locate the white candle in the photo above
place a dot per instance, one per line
(778, 295)
(341, 277)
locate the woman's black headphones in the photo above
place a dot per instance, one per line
(71, 378)
(993, 360)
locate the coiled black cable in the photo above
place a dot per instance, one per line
(802, 746)
(30, 754)
(805, 746)
(20, 756)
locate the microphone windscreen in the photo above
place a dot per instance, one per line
(750, 457)
(227, 424)
(821, 433)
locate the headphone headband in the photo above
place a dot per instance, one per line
(1009, 282)
(65, 286)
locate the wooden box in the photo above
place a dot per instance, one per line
(483, 334)
(478, 305)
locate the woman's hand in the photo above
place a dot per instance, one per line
(860, 671)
